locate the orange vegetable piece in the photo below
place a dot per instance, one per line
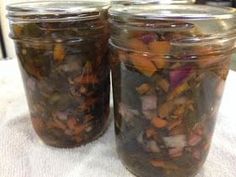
(144, 88)
(143, 64)
(163, 83)
(160, 47)
(137, 44)
(159, 62)
(159, 123)
(179, 90)
(59, 52)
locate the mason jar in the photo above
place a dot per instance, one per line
(169, 66)
(62, 53)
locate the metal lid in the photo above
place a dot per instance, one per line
(171, 12)
(128, 2)
(56, 10)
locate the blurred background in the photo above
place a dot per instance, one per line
(7, 47)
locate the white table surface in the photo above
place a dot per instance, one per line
(23, 155)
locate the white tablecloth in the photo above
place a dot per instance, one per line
(23, 155)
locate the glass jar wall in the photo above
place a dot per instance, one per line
(169, 66)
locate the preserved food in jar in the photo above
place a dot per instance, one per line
(168, 74)
(62, 49)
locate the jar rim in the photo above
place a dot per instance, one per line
(133, 2)
(152, 17)
(56, 10)
(172, 58)
(150, 11)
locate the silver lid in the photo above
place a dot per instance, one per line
(56, 10)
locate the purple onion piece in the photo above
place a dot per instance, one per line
(177, 76)
(147, 38)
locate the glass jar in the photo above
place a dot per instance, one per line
(169, 66)
(62, 47)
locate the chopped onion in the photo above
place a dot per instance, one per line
(147, 38)
(177, 76)
(178, 141)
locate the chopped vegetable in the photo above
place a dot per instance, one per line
(178, 141)
(137, 44)
(66, 78)
(143, 89)
(166, 109)
(162, 83)
(143, 64)
(194, 139)
(160, 47)
(159, 62)
(147, 38)
(59, 52)
(152, 147)
(149, 102)
(179, 90)
(177, 76)
(175, 152)
(159, 123)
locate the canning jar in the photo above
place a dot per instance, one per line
(169, 66)
(62, 52)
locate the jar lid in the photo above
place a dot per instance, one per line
(128, 2)
(212, 24)
(56, 10)
(220, 3)
(171, 12)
